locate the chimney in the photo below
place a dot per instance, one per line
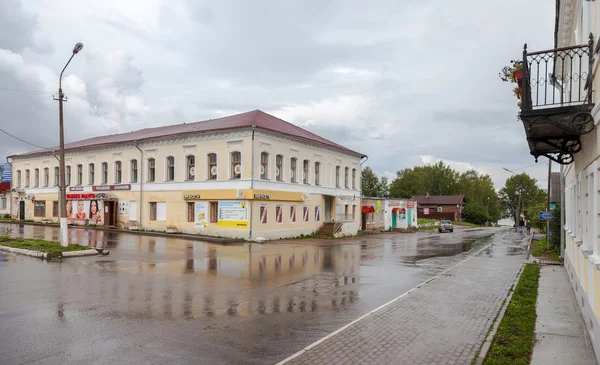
(427, 196)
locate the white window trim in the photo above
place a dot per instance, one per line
(131, 171)
(166, 169)
(115, 172)
(207, 169)
(229, 167)
(282, 172)
(186, 167)
(269, 165)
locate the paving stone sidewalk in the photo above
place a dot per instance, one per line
(443, 322)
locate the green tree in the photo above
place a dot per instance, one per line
(436, 179)
(373, 186)
(555, 228)
(475, 213)
(532, 201)
(479, 189)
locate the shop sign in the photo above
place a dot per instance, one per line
(191, 196)
(5, 173)
(233, 214)
(201, 214)
(111, 187)
(76, 188)
(411, 203)
(426, 211)
(262, 196)
(80, 196)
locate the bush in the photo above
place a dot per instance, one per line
(475, 213)
(555, 228)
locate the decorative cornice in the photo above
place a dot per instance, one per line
(569, 9)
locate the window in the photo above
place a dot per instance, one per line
(213, 212)
(46, 177)
(91, 174)
(264, 166)
(55, 208)
(151, 170)
(152, 211)
(68, 175)
(337, 176)
(56, 176)
(104, 172)
(346, 216)
(293, 214)
(39, 208)
(79, 175)
(317, 213)
(36, 178)
(3, 201)
(372, 218)
(170, 168)
(305, 178)
(279, 214)
(134, 171)
(236, 165)
(18, 178)
(190, 211)
(27, 173)
(353, 178)
(190, 167)
(279, 168)
(293, 171)
(263, 214)
(212, 166)
(346, 177)
(305, 214)
(118, 172)
(317, 170)
(353, 212)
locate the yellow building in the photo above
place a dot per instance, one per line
(249, 175)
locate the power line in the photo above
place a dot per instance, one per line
(519, 169)
(27, 91)
(24, 141)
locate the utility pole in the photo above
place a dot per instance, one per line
(518, 210)
(64, 233)
(548, 205)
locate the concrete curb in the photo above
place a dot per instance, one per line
(487, 344)
(44, 255)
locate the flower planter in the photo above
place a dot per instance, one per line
(518, 76)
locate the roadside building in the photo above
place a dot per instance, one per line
(441, 206)
(382, 214)
(559, 112)
(249, 175)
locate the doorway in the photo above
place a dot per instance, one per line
(364, 222)
(327, 209)
(394, 215)
(409, 217)
(110, 213)
(22, 210)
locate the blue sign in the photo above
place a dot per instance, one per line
(545, 216)
(5, 173)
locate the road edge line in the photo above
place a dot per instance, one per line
(378, 308)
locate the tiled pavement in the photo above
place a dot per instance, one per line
(443, 322)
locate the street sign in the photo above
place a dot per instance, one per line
(426, 211)
(545, 216)
(552, 206)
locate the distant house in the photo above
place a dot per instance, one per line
(441, 206)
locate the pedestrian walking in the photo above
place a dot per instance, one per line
(528, 227)
(521, 225)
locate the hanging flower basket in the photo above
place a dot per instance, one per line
(518, 76)
(517, 92)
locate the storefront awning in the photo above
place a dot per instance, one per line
(368, 209)
(399, 210)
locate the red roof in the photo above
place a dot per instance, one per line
(441, 200)
(257, 118)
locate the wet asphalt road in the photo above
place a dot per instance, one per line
(166, 300)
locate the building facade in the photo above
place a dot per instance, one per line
(560, 112)
(441, 206)
(382, 214)
(250, 176)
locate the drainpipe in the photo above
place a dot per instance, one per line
(252, 186)
(141, 180)
(562, 212)
(361, 164)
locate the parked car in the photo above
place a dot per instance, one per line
(445, 226)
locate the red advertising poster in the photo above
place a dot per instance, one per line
(81, 210)
(411, 203)
(426, 211)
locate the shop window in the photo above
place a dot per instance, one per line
(170, 168)
(279, 168)
(293, 170)
(79, 175)
(68, 175)
(305, 177)
(236, 165)
(346, 216)
(353, 212)
(56, 176)
(55, 208)
(3, 201)
(346, 170)
(293, 214)
(151, 170)
(118, 172)
(317, 172)
(353, 178)
(190, 211)
(190, 167)
(212, 166)
(134, 171)
(158, 211)
(337, 176)
(152, 211)
(214, 212)
(305, 213)
(279, 214)
(372, 218)
(317, 213)
(36, 178)
(39, 208)
(27, 173)
(91, 174)
(264, 166)
(18, 179)
(263, 214)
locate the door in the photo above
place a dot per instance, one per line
(327, 209)
(132, 211)
(22, 210)
(106, 213)
(409, 217)
(394, 215)
(364, 222)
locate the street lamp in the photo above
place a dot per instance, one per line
(64, 235)
(519, 204)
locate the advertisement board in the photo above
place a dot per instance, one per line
(80, 210)
(233, 214)
(15, 207)
(201, 214)
(5, 173)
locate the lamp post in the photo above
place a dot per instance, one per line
(64, 235)
(517, 211)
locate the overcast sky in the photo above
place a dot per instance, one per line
(406, 82)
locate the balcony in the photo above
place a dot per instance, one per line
(556, 100)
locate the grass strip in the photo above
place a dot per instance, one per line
(540, 249)
(513, 343)
(39, 245)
